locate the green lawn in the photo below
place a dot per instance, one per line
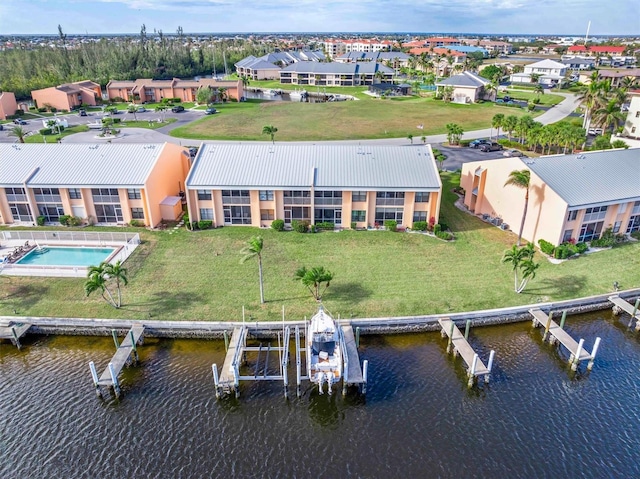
(198, 276)
(545, 99)
(37, 138)
(349, 120)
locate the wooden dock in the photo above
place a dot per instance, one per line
(352, 374)
(229, 376)
(122, 357)
(557, 334)
(13, 331)
(459, 345)
(633, 311)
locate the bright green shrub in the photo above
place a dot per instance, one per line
(546, 247)
(277, 225)
(420, 225)
(205, 224)
(391, 225)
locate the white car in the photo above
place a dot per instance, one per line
(595, 131)
(513, 153)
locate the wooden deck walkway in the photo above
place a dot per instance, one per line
(353, 370)
(121, 358)
(462, 347)
(631, 310)
(576, 349)
(230, 368)
(13, 331)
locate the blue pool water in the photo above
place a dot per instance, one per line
(67, 256)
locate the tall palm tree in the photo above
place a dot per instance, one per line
(521, 259)
(509, 124)
(98, 278)
(253, 249)
(270, 130)
(313, 279)
(133, 109)
(589, 97)
(116, 272)
(496, 122)
(18, 132)
(97, 282)
(608, 116)
(521, 179)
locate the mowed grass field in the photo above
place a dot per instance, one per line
(198, 275)
(348, 120)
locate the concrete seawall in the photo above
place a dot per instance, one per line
(397, 325)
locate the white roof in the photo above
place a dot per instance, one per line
(171, 201)
(549, 64)
(77, 165)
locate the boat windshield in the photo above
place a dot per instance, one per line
(327, 346)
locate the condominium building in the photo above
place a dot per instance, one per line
(336, 74)
(8, 105)
(147, 90)
(68, 96)
(574, 196)
(105, 184)
(364, 185)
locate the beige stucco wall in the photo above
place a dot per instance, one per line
(8, 105)
(51, 96)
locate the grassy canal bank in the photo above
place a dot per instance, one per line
(198, 275)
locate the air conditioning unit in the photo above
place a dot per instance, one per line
(504, 226)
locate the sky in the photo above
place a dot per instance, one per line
(563, 17)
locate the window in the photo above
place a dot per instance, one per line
(568, 234)
(359, 215)
(634, 224)
(75, 193)
(633, 129)
(590, 231)
(327, 198)
(266, 215)
(419, 216)
(422, 197)
(206, 214)
(105, 195)
(358, 196)
(137, 213)
(636, 208)
(297, 197)
(108, 213)
(616, 226)
(595, 214)
(383, 214)
(50, 212)
(134, 194)
(204, 194)
(47, 195)
(237, 215)
(20, 212)
(572, 215)
(266, 195)
(389, 198)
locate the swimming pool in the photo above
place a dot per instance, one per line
(66, 256)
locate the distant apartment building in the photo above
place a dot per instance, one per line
(571, 197)
(494, 46)
(614, 76)
(390, 58)
(106, 184)
(150, 91)
(548, 72)
(337, 47)
(445, 42)
(267, 67)
(336, 74)
(364, 185)
(68, 96)
(8, 104)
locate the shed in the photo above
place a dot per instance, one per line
(171, 208)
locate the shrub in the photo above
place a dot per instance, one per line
(465, 142)
(437, 229)
(419, 225)
(40, 220)
(176, 100)
(444, 235)
(325, 226)
(444, 226)
(635, 235)
(582, 247)
(300, 226)
(353, 225)
(137, 223)
(608, 239)
(546, 247)
(561, 252)
(278, 225)
(42, 110)
(74, 221)
(205, 224)
(64, 220)
(391, 225)
(432, 222)
(117, 120)
(45, 131)
(19, 113)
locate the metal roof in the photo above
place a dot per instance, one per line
(591, 177)
(337, 167)
(338, 68)
(465, 79)
(77, 165)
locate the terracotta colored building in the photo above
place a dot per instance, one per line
(151, 91)
(364, 185)
(570, 196)
(68, 96)
(8, 105)
(105, 184)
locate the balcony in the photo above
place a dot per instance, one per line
(48, 198)
(297, 201)
(236, 200)
(17, 198)
(389, 201)
(106, 199)
(328, 201)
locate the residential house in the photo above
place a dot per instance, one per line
(107, 184)
(615, 77)
(151, 91)
(267, 67)
(69, 96)
(336, 74)
(340, 184)
(578, 63)
(548, 72)
(468, 87)
(8, 105)
(571, 197)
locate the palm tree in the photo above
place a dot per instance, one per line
(313, 279)
(496, 122)
(18, 132)
(410, 138)
(521, 179)
(509, 124)
(97, 282)
(589, 97)
(609, 116)
(161, 109)
(253, 249)
(454, 133)
(539, 90)
(115, 272)
(521, 259)
(270, 130)
(133, 109)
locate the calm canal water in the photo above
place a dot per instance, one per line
(536, 419)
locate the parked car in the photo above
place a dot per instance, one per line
(491, 147)
(506, 98)
(141, 109)
(1, 127)
(595, 131)
(177, 109)
(210, 111)
(513, 152)
(82, 112)
(19, 121)
(479, 142)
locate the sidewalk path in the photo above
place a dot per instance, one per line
(142, 135)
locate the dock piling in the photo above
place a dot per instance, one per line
(564, 317)
(466, 329)
(357, 336)
(594, 351)
(547, 327)
(115, 338)
(15, 338)
(94, 376)
(472, 372)
(134, 346)
(489, 366)
(236, 382)
(365, 375)
(450, 342)
(633, 315)
(576, 358)
(298, 363)
(114, 380)
(226, 340)
(216, 380)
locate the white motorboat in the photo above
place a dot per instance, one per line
(297, 94)
(323, 341)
